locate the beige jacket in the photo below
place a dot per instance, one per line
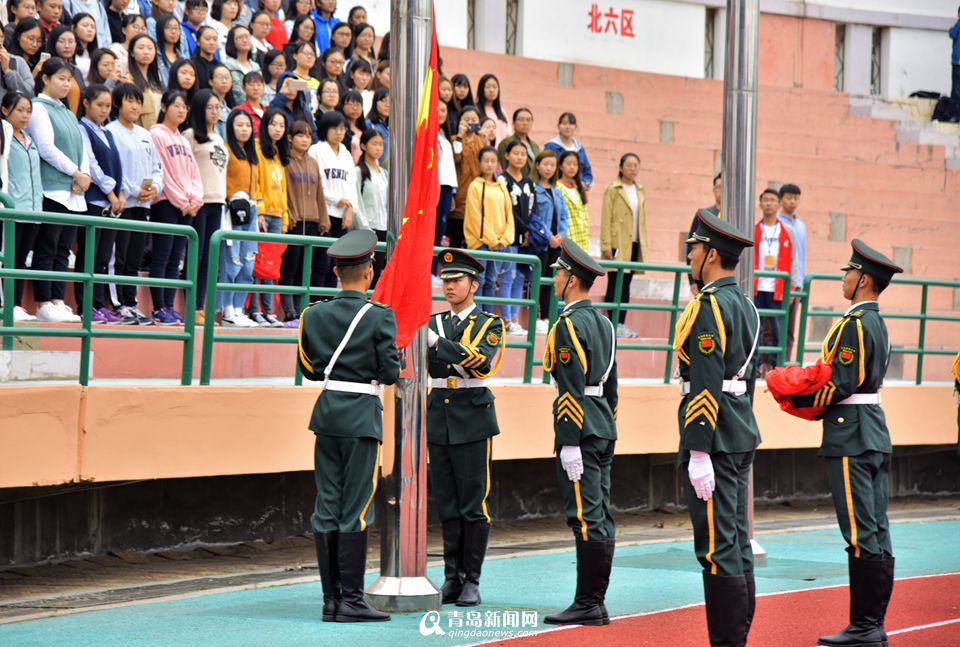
(616, 223)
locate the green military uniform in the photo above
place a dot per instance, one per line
(955, 369)
(347, 421)
(856, 445)
(461, 424)
(581, 356)
(716, 339)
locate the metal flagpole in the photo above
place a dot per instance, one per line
(403, 585)
(740, 145)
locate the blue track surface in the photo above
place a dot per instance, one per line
(645, 578)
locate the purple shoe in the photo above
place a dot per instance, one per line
(96, 317)
(174, 314)
(291, 323)
(108, 316)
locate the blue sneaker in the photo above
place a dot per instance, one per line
(176, 315)
(163, 318)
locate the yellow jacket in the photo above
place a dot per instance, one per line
(616, 223)
(488, 219)
(273, 187)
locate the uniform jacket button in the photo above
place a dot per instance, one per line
(446, 400)
(840, 420)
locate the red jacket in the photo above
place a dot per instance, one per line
(784, 257)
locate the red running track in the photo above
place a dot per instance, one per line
(793, 619)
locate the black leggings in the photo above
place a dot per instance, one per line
(291, 269)
(103, 250)
(625, 289)
(167, 252)
(51, 251)
(547, 258)
(129, 254)
(336, 231)
(206, 223)
(25, 233)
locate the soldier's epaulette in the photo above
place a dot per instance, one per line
(489, 314)
(709, 290)
(856, 313)
(379, 305)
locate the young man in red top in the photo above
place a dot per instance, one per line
(49, 13)
(774, 241)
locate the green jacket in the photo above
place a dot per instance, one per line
(858, 349)
(714, 337)
(464, 415)
(578, 353)
(370, 355)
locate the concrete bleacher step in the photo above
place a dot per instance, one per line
(40, 365)
(914, 125)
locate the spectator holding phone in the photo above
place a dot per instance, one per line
(466, 154)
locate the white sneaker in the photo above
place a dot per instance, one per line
(20, 315)
(513, 328)
(543, 326)
(68, 313)
(243, 321)
(50, 313)
(623, 332)
(230, 322)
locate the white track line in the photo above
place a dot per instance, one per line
(932, 625)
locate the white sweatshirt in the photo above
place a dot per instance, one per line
(339, 175)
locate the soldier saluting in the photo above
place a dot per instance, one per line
(465, 348)
(716, 338)
(856, 442)
(581, 356)
(349, 343)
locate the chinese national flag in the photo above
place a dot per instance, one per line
(404, 284)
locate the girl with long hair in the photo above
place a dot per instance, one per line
(272, 65)
(551, 213)
(183, 77)
(575, 197)
(205, 56)
(329, 94)
(133, 25)
(240, 59)
(379, 119)
(221, 81)
(169, 39)
(103, 68)
(63, 44)
(23, 56)
(259, 30)
(223, 16)
(488, 101)
(145, 74)
(565, 141)
(351, 107)
(372, 191)
(85, 30)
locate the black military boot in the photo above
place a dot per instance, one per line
(587, 607)
(327, 559)
(476, 534)
(868, 590)
(751, 601)
(888, 591)
(352, 552)
(452, 557)
(609, 549)
(727, 609)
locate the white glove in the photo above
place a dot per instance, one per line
(700, 469)
(432, 338)
(572, 461)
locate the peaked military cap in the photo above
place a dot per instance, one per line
(577, 262)
(354, 248)
(720, 235)
(455, 263)
(870, 261)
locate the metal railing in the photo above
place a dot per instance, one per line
(923, 317)
(86, 332)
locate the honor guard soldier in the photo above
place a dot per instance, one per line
(581, 356)
(856, 443)
(955, 369)
(465, 348)
(716, 338)
(348, 343)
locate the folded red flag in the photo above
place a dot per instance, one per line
(785, 381)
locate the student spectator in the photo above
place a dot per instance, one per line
(223, 14)
(351, 107)
(240, 59)
(17, 10)
(177, 204)
(303, 59)
(356, 16)
(308, 217)
(488, 219)
(522, 125)
(341, 37)
(488, 132)
(381, 76)
(712, 210)
(273, 155)
(105, 196)
(789, 195)
(358, 79)
(85, 31)
(17, 63)
(271, 66)
(488, 101)
(221, 82)
(466, 153)
(277, 37)
(379, 119)
(329, 93)
(98, 14)
(293, 10)
(171, 45)
(565, 141)
(331, 62)
(325, 22)
(291, 101)
(210, 153)
(372, 195)
(183, 77)
(260, 26)
(522, 192)
(774, 241)
(303, 31)
(24, 186)
(383, 54)
(253, 93)
(63, 43)
(243, 182)
(49, 13)
(550, 214)
(194, 16)
(575, 197)
(445, 89)
(448, 182)
(623, 231)
(954, 33)
(133, 25)
(339, 176)
(142, 181)
(103, 69)
(116, 10)
(65, 174)
(362, 47)
(462, 94)
(206, 56)
(145, 74)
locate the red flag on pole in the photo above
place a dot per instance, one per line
(404, 284)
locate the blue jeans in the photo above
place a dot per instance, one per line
(510, 282)
(236, 264)
(488, 277)
(273, 226)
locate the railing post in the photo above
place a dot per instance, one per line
(618, 290)
(675, 303)
(190, 304)
(802, 326)
(923, 331)
(86, 308)
(210, 313)
(784, 323)
(535, 271)
(9, 262)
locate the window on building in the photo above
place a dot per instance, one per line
(839, 47)
(471, 24)
(875, 60)
(513, 21)
(708, 43)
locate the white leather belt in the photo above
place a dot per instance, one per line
(593, 391)
(736, 387)
(457, 383)
(861, 398)
(353, 387)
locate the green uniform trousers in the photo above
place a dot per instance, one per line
(346, 470)
(721, 537)
(460, 475)
(860, 486)
(587, 501)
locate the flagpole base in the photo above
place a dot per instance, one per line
(403, 594)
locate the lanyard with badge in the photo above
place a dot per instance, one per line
(770, 244)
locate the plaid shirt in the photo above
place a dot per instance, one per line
(578, 223)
